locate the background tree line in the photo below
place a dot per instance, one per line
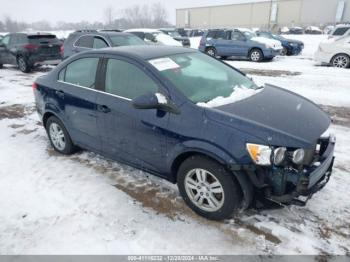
(152, 15)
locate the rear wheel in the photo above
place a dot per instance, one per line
(256, 55)
(23, 64)
(211, 51)
(59, 137)
(1, 66)
(208, 188)
(341, 61)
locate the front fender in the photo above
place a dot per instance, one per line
(202, 147)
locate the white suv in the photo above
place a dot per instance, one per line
(335, 52)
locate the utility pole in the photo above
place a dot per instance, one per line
(269, 22)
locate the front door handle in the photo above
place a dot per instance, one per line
(103, 109)
(59, 93)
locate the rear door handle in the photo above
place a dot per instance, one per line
(59, 93)
(103, 109)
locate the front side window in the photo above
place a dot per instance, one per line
(99, 43)
(85, 41)
(127, 80)
(81, 72)
(236, 36)
(201, 78)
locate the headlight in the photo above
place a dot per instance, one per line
(298, 156)
(268, 46)
(260, 154)
(279, 154)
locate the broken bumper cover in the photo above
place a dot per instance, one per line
(311, 180)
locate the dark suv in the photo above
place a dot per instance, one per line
(30, 50)
(83, 40)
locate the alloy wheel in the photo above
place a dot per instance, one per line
(57, 136)
(341, 61)
(255, 56)
(22, 64)
(204, 190)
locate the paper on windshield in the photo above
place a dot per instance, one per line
(163, 64)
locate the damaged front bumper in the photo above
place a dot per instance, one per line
(295, 185)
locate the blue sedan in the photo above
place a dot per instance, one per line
(191, 119)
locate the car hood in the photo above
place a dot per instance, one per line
(278, 117)
(167, 40)
(264, 40)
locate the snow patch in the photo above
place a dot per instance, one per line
(239, 94)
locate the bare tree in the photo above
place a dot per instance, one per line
(154, 15)
(108, 15)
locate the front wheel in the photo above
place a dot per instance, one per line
(208, 188)
(211, 51)
(341, 61)
(23, 65)
(256, 55)
(59, 137)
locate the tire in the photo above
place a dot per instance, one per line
(23, 65)
(256, 55)
(59, 137)
(284, 51)
(223, 57)
(1, 66)
(341, 61)
(211, 51)
(209, 204)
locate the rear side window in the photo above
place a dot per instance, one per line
(127, 80)
(99, 43)
(85, 41)
(341, 31)
(81, 72)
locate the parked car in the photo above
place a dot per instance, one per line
(191, 119)
(328, 29)
(290, 47)
(184, 40)
(154, 36)
(313, 30)
(30, 50)
(284, 30)
(296, 30)
(1, 37)
(196, 32)
(239, 43)
(340, 31)
(83, 40)
(335, 52)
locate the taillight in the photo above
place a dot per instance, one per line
(35, 86)
(31, 47)
(61, 50)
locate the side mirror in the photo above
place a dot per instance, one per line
(155, 101)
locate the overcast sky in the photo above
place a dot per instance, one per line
(90, 10)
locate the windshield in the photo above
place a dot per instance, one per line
(249, 34)
(125, 40)
(201, 78)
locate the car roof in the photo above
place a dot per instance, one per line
(145, 52)
(144, 30)
(102, 33)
